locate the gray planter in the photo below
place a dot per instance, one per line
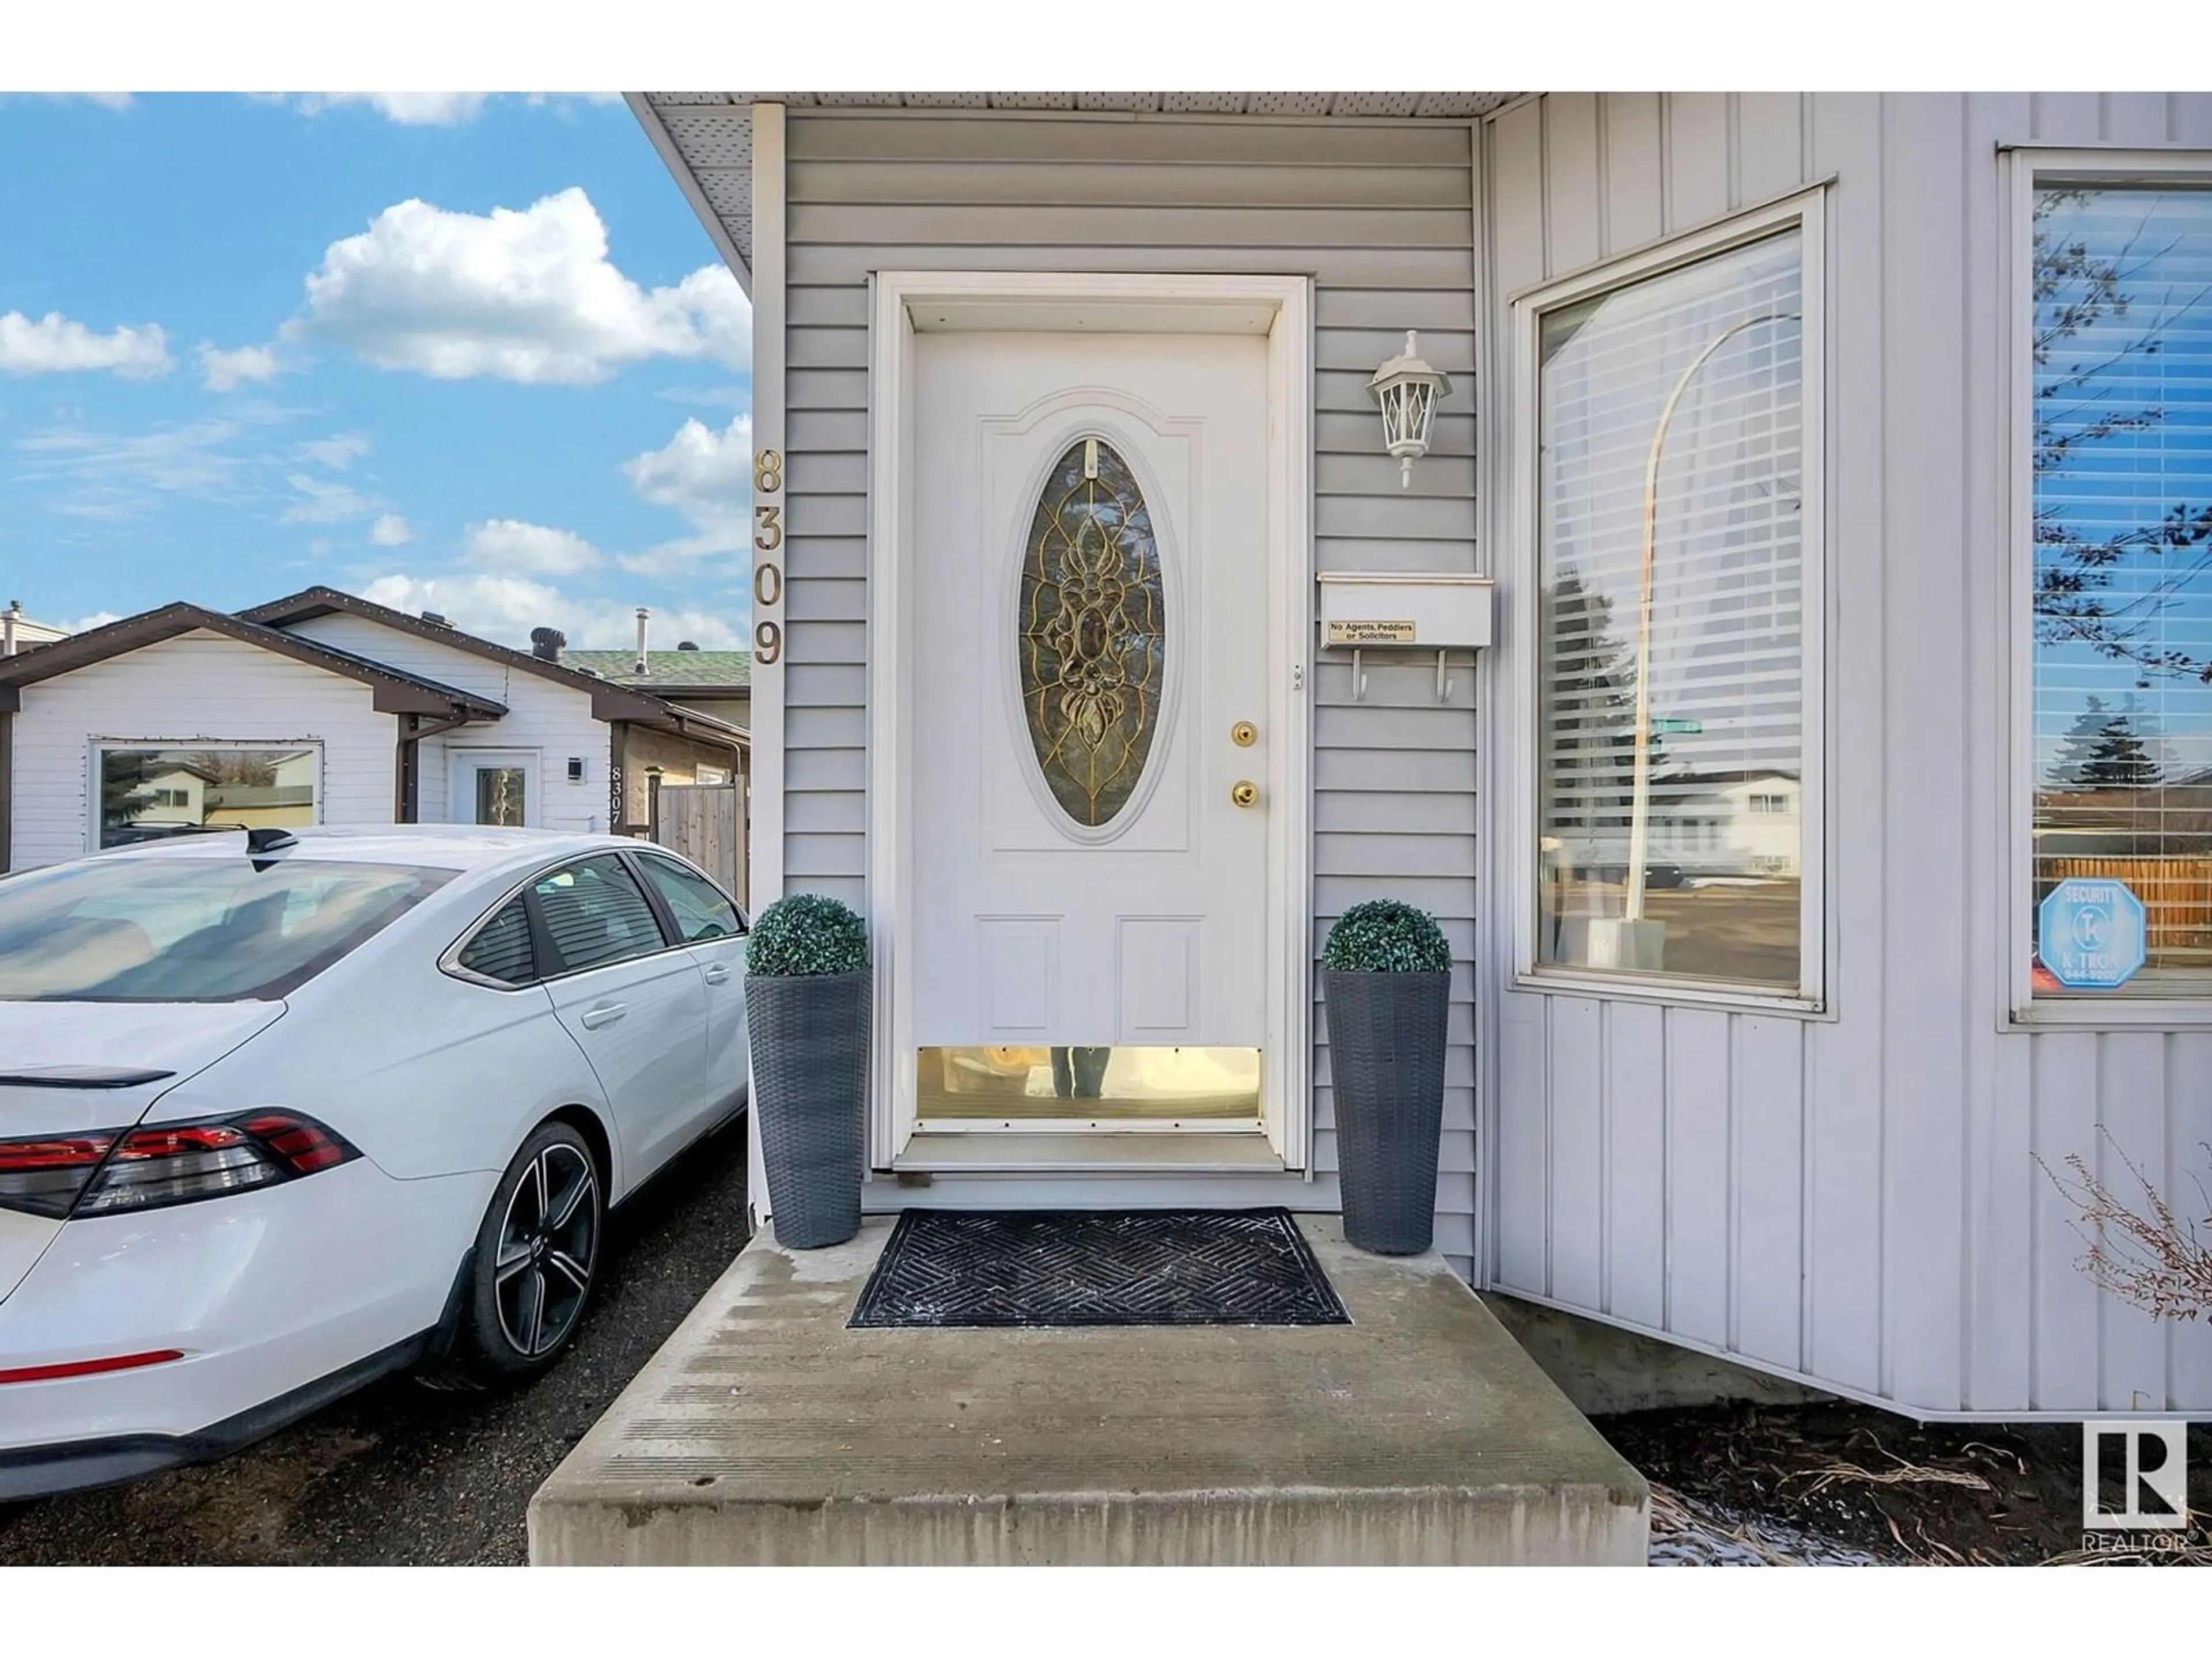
(810, 1086)
(1386, 1066)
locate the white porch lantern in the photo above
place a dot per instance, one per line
(1408, 390)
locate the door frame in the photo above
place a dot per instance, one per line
(1279, 309)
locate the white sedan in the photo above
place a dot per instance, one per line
(283, 1111)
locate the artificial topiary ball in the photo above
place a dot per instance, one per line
(1385, 936)
(806, 934)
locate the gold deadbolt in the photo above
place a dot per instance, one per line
(1244, 791)
(1243, 734)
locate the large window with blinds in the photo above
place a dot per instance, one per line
(2117, 456)
(1676, 798)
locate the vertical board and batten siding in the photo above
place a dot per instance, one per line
(1855, 1199)
(551, 720)
(196, 688)
(1380, 215)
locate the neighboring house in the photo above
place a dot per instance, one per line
(716, 684)
(557, 715)
(322, 707)
(1062, 406)
(172, 794)
(19, 633)
(1733, 823)
(280, 791)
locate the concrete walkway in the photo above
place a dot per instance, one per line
(765, 1432)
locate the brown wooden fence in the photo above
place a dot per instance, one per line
(705, 823)
(2176, 891)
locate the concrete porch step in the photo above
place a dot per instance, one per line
(765, 1432)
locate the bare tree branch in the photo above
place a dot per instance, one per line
(2148, 1255)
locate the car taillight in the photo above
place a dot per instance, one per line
(44, 1176)
(117, 1169)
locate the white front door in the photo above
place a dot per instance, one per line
(1091, 643)
(493, 785)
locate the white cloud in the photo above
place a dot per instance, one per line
(505, 608)
(391, 531)
(56, 344)
(106, 474)
(85, 624)
(409, 109)
(707, 477)
(526, 295)
(534, 549)
(339, 451)
(226, 371)
(731, 395)
(320, 502)
(426, 109)
(721, 313)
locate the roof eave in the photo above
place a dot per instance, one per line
(672, 158)
(609, 702)
(391, 691)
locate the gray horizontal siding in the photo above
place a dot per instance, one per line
(1380, 218)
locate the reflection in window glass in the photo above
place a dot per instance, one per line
(1670, 742)
(2123, 596)
(147, 794)
(191, 930)
(701, 912)
(499, 795)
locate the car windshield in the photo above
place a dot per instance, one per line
(191, 930)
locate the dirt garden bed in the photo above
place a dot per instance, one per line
(1839, 1484)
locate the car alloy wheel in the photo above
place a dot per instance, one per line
(549, 1244)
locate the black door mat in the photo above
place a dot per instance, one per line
(1032, 1269)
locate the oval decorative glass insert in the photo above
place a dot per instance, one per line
(1093, 633)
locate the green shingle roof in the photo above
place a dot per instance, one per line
(687, 670)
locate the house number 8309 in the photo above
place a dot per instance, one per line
(767, 536)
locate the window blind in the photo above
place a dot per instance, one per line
(502, 948)
(1712, 351)
(596, 914)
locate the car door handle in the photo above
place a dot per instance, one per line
(718, 973)
(605, 1014)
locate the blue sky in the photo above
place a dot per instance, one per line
(472, 355)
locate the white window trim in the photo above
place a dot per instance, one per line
(98, 747)
(1806, 210)
(2108, 167)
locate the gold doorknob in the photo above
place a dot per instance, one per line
(1243, 734)
(1244, 791)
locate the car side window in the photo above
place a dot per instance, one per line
(595, 914)
(701, 911)
(502, 948)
